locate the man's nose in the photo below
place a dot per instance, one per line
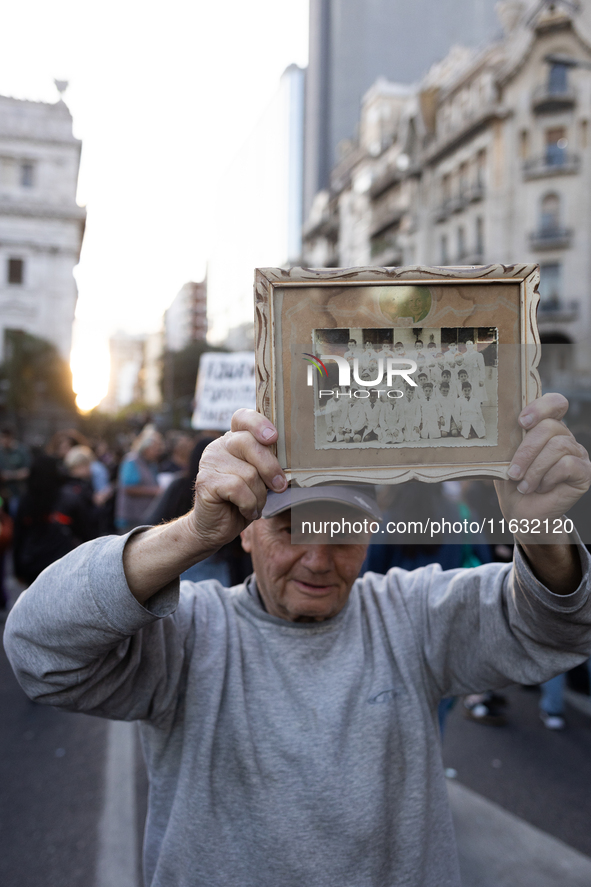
(318, 558)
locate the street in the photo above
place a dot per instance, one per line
(73, 796)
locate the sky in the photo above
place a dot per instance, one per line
(162, 95)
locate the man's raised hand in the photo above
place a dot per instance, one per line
(550, 471)
(235, 473)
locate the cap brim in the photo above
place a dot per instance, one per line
(360, 497)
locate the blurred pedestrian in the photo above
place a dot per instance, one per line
(76, 505)
(552, 701)
(137, 485)
(15, 465)
(39, 541)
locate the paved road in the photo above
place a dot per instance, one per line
(539, 775)
(60, 774)
(53, 768)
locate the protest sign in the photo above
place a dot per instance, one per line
(225, 383)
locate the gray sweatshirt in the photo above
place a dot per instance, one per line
(286, 754)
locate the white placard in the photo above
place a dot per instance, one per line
(225, 383)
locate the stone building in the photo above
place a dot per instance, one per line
(135, 371)
(186, 319)
(487, 160)
(352, 42)
(41, 225)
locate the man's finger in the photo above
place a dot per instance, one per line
(560, 448)
(243, 446)
(259, 426)
(570, 470)
(549, 406)
(533, 444)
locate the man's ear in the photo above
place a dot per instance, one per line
(246, 539)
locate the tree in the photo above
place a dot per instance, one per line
(34, 377)
(179, 376)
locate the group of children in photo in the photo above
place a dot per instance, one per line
(446, 401)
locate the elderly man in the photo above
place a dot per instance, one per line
(290, 723)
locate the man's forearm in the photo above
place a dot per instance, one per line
(557, 566)
(157, 556)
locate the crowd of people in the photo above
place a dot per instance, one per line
(72, 490)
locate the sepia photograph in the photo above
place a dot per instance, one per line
(396, 374)
(408, 388)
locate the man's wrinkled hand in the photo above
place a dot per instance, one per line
(550, 471)
(235, 473)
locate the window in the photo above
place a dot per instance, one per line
(480, 168)
(463, 179)
(15, 270)
(27, 174)
(461, 243)
(556, 145)
(550, 213)
(550, 285)
(558, 79)
(524, 144)
(444, 250)
(480, 236)
(583, 135)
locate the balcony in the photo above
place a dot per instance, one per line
(548, 99)
(391, 176)
(385, 217)
(474, 258)
(555, 310)
(551, 238)
(476, 192)
(386, 251)
(555, 162)
(460, 202)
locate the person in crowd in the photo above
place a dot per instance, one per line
(290, 723)
(431, 414)
(39, 541)
(391, 421)
(469, 414)
(474, 363)
(15, 467)
(372, 416)
(137, 485)
(335, 414)
(552, 700)
(447, 403)
(354, 424)
(411, 415)
(77, 505)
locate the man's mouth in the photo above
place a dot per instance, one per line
(313, 588)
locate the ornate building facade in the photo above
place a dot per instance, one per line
(41, 225)
(487, 160)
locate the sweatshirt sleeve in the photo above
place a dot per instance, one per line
(484, 628)
(77, 638)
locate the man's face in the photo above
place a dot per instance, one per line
(302, 583)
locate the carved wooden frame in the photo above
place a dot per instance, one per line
(269, 398)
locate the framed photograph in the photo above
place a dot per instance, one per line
(394, 374)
